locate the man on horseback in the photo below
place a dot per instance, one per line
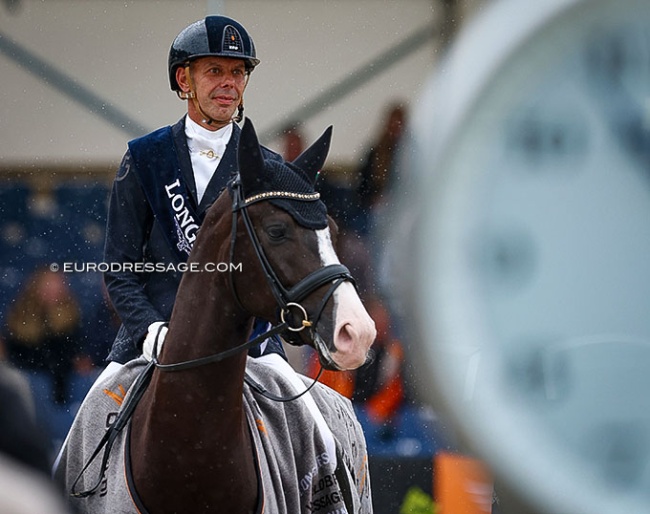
(207, 428)
(168, 179)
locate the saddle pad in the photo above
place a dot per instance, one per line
(298, 472)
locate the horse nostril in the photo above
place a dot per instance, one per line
(345, 336)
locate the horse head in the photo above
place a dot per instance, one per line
(292, 238)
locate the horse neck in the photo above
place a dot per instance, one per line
(207, 319)
(187, 415)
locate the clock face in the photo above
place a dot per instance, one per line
(534, 248)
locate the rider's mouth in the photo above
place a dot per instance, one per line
(225, 99)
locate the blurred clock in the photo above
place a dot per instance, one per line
(532, 290)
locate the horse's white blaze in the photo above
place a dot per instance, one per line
(354, 329)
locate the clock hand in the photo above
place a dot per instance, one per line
(609, 58)
(627, 123)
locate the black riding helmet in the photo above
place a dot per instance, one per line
(213, 36)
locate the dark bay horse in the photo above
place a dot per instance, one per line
(208, 434)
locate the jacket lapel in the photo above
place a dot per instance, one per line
(183, 152)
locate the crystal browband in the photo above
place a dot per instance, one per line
(282, 194)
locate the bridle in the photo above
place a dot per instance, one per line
(288, 300)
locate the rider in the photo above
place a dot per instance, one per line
(169, 178)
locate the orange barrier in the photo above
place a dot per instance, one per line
(461, 485)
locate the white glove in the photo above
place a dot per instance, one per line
(155, 334)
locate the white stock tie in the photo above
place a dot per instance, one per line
(206, 150)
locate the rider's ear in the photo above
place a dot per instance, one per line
(183, 81)
(311, 161)
(249, 155)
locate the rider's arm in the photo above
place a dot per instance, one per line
(127, 233)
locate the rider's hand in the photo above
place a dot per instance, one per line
(157, 331)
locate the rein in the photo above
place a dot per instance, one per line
(217, 357)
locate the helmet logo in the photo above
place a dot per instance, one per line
(232, 40)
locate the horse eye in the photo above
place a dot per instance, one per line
(276, 232)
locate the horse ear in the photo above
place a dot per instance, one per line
(249, 155)
(311, 161)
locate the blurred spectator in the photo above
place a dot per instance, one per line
(25, 485)
(360, 201)
(20, 436)
(23, 491)
(43, 329)
(354, 253)
(337, 191)
(378, 172)
(292, 142)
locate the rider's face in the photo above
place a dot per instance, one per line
(219, 84)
